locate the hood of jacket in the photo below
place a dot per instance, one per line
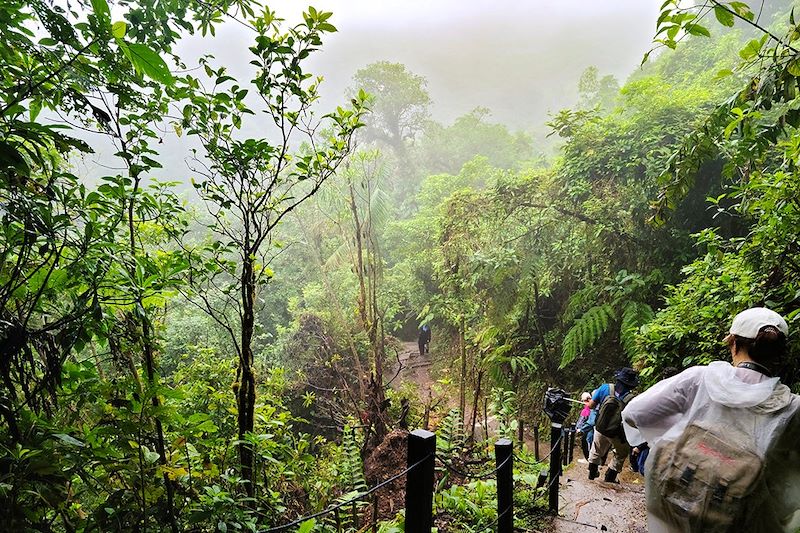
(726, 387)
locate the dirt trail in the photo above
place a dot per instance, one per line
(414, 368)
(599, 506)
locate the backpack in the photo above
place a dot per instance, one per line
(702, 479)
(609, 416)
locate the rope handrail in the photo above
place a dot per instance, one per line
(468, 475)
(523, 461)
(339, 505)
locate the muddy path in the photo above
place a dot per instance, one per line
(599, 506)
(414, 368)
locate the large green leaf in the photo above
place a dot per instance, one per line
(102, 10)
(724, 16)
(149, 63)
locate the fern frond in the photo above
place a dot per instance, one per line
(634, 316)
(451, 434)
(354, 466)
(586, 331)
(579, 301)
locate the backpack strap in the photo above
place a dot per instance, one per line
(611, 390)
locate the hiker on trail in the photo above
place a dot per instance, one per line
(585, 423)
(724, 438)
(608, 432)
(424, 339)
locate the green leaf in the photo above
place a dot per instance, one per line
(307, 526)
(118, 29)
(34, 109)
(794, 68)
(149, 63)
(101, 10)
(724, 73)
(724, 16)
(750, 50)
(743, 10)
(697, 29)
(72, 441)
(150, 457)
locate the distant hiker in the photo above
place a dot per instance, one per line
(608, 432)
(424, 339)
(584, 425)
(724, 438)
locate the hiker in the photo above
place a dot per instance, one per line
(608, 432)
(724, 438)
(424, 339)
(585, 423)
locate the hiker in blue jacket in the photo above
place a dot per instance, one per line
(610, 400)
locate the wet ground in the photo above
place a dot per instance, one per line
(599, 506)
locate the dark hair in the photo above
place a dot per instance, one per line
(767, 348)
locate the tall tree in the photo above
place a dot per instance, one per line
(400, 105)
(250, 184)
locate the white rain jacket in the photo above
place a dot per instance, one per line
(758, 405)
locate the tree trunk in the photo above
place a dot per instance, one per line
(149, 353)
(246, 395)
(475, 403)
(462, 398)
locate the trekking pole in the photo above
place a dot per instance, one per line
(572, 432)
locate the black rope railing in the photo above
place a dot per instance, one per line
(354, 499)
(469, 475)
(523, 461)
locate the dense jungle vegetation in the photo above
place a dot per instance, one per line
(219, 351)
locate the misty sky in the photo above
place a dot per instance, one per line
(520, 58)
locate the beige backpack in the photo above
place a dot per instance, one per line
(701, 480)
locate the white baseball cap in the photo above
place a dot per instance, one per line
(748, 323)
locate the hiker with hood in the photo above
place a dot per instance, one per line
(424, 339)
(608, 433)
(724, 438)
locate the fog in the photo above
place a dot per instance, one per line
(521, 60)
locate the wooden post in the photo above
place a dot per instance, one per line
(536, 442)
(504, 455)
(565, 445)
(555, 465)
(419, 481)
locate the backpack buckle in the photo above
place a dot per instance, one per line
(688, 475)
(719, 491)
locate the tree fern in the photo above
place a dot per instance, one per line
(451, 435)
(586, 331)
(579, 301)
(634, 315)
(353, 467)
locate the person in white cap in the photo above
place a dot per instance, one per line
(724, 438)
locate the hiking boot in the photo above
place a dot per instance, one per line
(611, 476)
(594, 471)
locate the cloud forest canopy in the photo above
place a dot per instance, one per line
(239, 354)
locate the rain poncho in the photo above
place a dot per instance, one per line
(735, 401)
